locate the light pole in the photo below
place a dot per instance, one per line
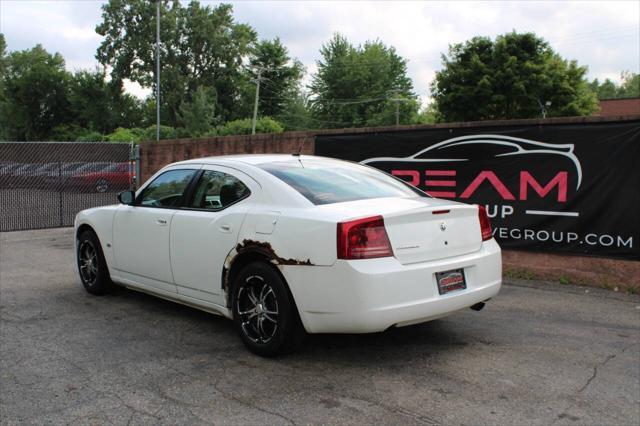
(543, 108)
(158, 70)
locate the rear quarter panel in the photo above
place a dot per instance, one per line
(293, 236)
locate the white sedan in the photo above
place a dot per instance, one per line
(286, 245)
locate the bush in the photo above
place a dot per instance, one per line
(90, 136)
(243, 127)
(166, 132)
(124, 135)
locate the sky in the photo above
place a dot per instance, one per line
(604, 35)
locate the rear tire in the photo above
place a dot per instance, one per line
(92, 267)
(102, 185)
(264, 312)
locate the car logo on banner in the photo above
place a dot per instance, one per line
(485, 167)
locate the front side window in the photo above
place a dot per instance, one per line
(217, 190)
(167, 189)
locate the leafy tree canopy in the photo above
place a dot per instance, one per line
(3, 59)
(201, 46)
(354, 86)
(36, 93)
(630, 87)
(509, 78)
(198, 115)
(100, 106)
(280, 75)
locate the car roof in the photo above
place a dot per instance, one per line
(254, 159)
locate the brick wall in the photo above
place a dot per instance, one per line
(155, 155)
(613, 107)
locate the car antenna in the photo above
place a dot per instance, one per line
(297, 154)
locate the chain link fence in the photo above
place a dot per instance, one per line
(44, 184)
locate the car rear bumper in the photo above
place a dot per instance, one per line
(365, 296)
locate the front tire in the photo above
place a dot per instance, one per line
(264, 314)
(91, 264)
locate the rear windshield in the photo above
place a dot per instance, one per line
(327, 183)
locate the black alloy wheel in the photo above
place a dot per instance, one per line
(92, 265)
(264, 312)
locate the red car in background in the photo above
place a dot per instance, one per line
(103, 177)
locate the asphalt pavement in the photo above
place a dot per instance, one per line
(538, 353)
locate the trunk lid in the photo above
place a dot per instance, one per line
(431, 233)
(414, 230)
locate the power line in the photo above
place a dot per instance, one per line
(596, 33)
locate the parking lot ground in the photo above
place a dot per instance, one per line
(537, 354)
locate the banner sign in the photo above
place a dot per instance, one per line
(572, 188)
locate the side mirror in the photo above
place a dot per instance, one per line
(126, 197)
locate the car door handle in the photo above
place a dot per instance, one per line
(161, 222)
(225, 228)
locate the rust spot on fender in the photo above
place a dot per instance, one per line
(266, 249)
(255, 246)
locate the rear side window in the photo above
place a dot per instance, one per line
(327, 183)
(167, 189)
(217, 190)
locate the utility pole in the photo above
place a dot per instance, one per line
(255, 105)
(397, 99)
(158, 70)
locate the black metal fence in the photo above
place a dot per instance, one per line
(44, 184)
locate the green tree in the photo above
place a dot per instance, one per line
(509, 78)
(199, 114)
(99, 106)
(354, 86)
(629, 88)
(200, 46)
(280, 75)
(296, 113)
(243, 127)
(428, 115)
(605, 90)
(3, 60)
(36, 87)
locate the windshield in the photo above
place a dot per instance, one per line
(327, 182)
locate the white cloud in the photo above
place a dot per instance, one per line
(604, 35)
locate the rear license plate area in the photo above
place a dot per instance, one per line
(450, 281)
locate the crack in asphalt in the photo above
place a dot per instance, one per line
(591, 379)
(600, 364)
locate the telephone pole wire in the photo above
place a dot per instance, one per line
(255, 105)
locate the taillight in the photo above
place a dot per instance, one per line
(485, 225)
(363, 239)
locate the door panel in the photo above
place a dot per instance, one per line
(202, 238)
(141, 243)
(141, 232)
